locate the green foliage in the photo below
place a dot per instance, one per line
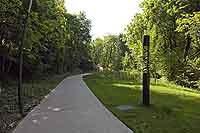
(56, 41)
(174, 28)
(108, 52)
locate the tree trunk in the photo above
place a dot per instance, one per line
(187, 47)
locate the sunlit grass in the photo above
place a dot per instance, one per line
(173, 109)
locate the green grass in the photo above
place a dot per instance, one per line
(173, 109)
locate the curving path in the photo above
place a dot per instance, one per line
(71, 108)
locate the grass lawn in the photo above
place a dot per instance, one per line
(174, 109)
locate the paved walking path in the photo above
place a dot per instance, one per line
(71, 108)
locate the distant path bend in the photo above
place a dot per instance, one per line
(71, 108)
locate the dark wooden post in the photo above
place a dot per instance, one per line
(20, 61)
(146, 75)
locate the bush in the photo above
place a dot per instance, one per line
(133, 75)
(189, 78)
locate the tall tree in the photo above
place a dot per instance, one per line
(173, 27)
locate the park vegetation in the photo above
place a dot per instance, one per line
(174, 29)
(55, 40)
(174, 109)
(56, 44)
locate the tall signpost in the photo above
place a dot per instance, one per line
(21, 42)
(146, 75)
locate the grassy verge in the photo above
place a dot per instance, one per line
(33, 92)
(174, 109)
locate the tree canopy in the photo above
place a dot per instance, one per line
(175, 41)
(56, 41)
(174, 29)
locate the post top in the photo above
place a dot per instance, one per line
(146, 40)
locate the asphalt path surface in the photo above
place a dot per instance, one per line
(71, 108)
